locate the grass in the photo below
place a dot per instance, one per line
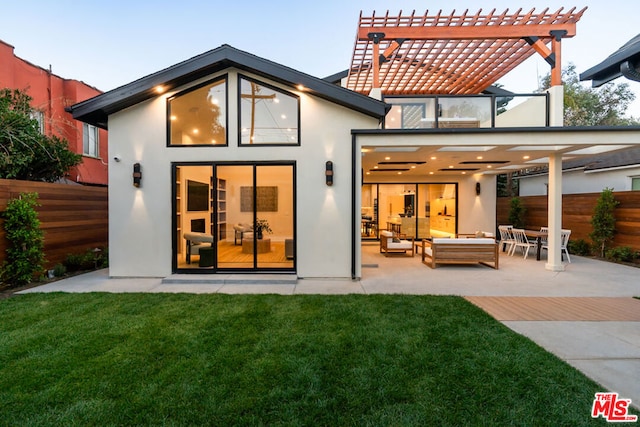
(158, 359)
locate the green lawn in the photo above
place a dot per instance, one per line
(162, 359)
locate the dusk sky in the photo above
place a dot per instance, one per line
(109, 44)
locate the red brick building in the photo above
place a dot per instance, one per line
(51, 95)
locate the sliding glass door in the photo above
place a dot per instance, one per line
(235, 217)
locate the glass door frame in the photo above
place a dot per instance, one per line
(215, 231)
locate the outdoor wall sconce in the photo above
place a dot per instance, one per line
(477, 188)
(329, 173)
(137, 174)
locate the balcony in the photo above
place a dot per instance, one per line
(474, 111)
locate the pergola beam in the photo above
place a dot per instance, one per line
(490, 32)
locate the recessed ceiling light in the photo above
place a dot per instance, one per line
(430, 173)
(196, 131)
(159, 89)
(464, 173)
(525, 157)
(479, 157)
(433, 157)
(399, 173)
(450, 166)
(387, 158)
(173, 118)
(375, 167)
(489, 167)
(300, 87)
(413, 167)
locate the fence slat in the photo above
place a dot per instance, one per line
(577, 210)
(74, 217)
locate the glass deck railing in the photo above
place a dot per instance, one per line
(475, 111)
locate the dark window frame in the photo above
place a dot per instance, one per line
(223, 77)
(276, 89)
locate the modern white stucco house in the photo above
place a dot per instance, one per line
(209, 147)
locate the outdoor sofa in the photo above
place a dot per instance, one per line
(460, 250)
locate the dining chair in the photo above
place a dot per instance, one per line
(543, 239)
(564, 242)
(521, 242)
(506, 237)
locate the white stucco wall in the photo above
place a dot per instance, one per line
(140, 231)
(577, 181)
(528, 113)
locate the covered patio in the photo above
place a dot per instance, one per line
(438, 54)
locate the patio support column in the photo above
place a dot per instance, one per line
(554, 255)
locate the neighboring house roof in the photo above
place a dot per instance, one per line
(623, 62)
(96, 110)
(614, 160)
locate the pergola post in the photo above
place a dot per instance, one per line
(554, 254)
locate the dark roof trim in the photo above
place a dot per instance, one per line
(337, 77)
(609, 69)
(97, 110)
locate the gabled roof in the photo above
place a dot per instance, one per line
(624, 61)
(96, 110)
(457, 53)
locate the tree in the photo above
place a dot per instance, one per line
(603, 220)
(516, 213)
(586, 106)
(24, 152)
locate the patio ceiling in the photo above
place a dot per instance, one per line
(453, 155)
(452, 54)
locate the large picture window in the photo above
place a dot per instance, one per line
(268, 116)
(198, 116)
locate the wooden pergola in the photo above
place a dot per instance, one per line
(454, 54)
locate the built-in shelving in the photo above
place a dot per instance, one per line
(221, 189)
(179, 209)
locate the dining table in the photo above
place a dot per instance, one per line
(538, 235)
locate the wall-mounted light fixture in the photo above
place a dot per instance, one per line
(137, 174)
(329, 172)
(477, 188)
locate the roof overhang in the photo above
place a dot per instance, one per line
(97, 110)
(408, 155)
(452, 54)
(623, 62)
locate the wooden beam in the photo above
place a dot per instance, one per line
(539, 46)
(468, 32)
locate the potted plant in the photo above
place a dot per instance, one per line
(262, 225)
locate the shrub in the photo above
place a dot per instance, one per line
(59, 270)
(89, 260)
(621, 254)
(580, 247)
(603, 221)
(25, 254)
(516, 213)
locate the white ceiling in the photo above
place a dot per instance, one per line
(452, 160)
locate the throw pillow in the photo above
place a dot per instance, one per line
(396, 240)
(479, 234)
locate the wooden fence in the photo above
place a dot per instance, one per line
(577, 210)
(74, 218)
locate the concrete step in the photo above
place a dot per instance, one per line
(233, 279)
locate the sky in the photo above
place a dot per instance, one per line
(107, 44)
